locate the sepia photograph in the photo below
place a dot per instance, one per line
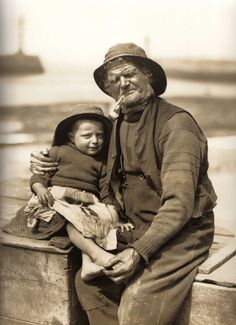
(117, 162)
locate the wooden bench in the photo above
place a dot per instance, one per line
(212, 300)
(37, 280)
(37, 283)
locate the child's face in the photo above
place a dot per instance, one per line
(88, 136)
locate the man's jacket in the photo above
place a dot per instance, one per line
(172, 151)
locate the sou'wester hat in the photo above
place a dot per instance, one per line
(86, 111)
(132, 50)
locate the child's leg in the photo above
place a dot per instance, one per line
(90, 270)
(88, 246)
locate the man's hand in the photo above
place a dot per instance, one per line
(123, 265)
(40, 163)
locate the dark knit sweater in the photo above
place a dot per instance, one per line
(172, 152)
(75, 170)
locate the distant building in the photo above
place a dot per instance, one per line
(19, 62)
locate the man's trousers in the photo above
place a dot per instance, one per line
(156, 292)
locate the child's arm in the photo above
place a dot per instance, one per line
(44, 195)
(46, 178)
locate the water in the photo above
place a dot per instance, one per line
(78, 85)
(50, 88)
(31, 106)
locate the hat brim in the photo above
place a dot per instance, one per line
(61, 132)
(159, 77)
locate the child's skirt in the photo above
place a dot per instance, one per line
(82, 209)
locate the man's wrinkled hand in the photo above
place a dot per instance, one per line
(41, 164)
(121, 267)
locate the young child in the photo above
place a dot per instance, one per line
(73, 191)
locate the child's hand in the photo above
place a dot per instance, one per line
(124, 226)
(45, 197)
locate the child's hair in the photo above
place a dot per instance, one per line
(74, 126)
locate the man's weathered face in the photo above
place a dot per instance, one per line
(128, 80)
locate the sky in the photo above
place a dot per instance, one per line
(79, 32)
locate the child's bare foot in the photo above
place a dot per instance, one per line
(90, 271)
(103, 258)
(94, 268)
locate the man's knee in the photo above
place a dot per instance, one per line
(133, 306)
(99, 308)
(92, 294)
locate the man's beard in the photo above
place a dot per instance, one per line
(129, 106)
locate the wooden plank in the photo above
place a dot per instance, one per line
(8, 209)
(38, 287)
(15, 188)
(11, 321)
(28, 243)
(81, 319)
(37, 302)
(208, 304)
(223, 232)
(219, 239)
(14, 194)
(225, 275)
(218, 258)
(34, 265)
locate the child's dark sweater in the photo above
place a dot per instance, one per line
(75, 169)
